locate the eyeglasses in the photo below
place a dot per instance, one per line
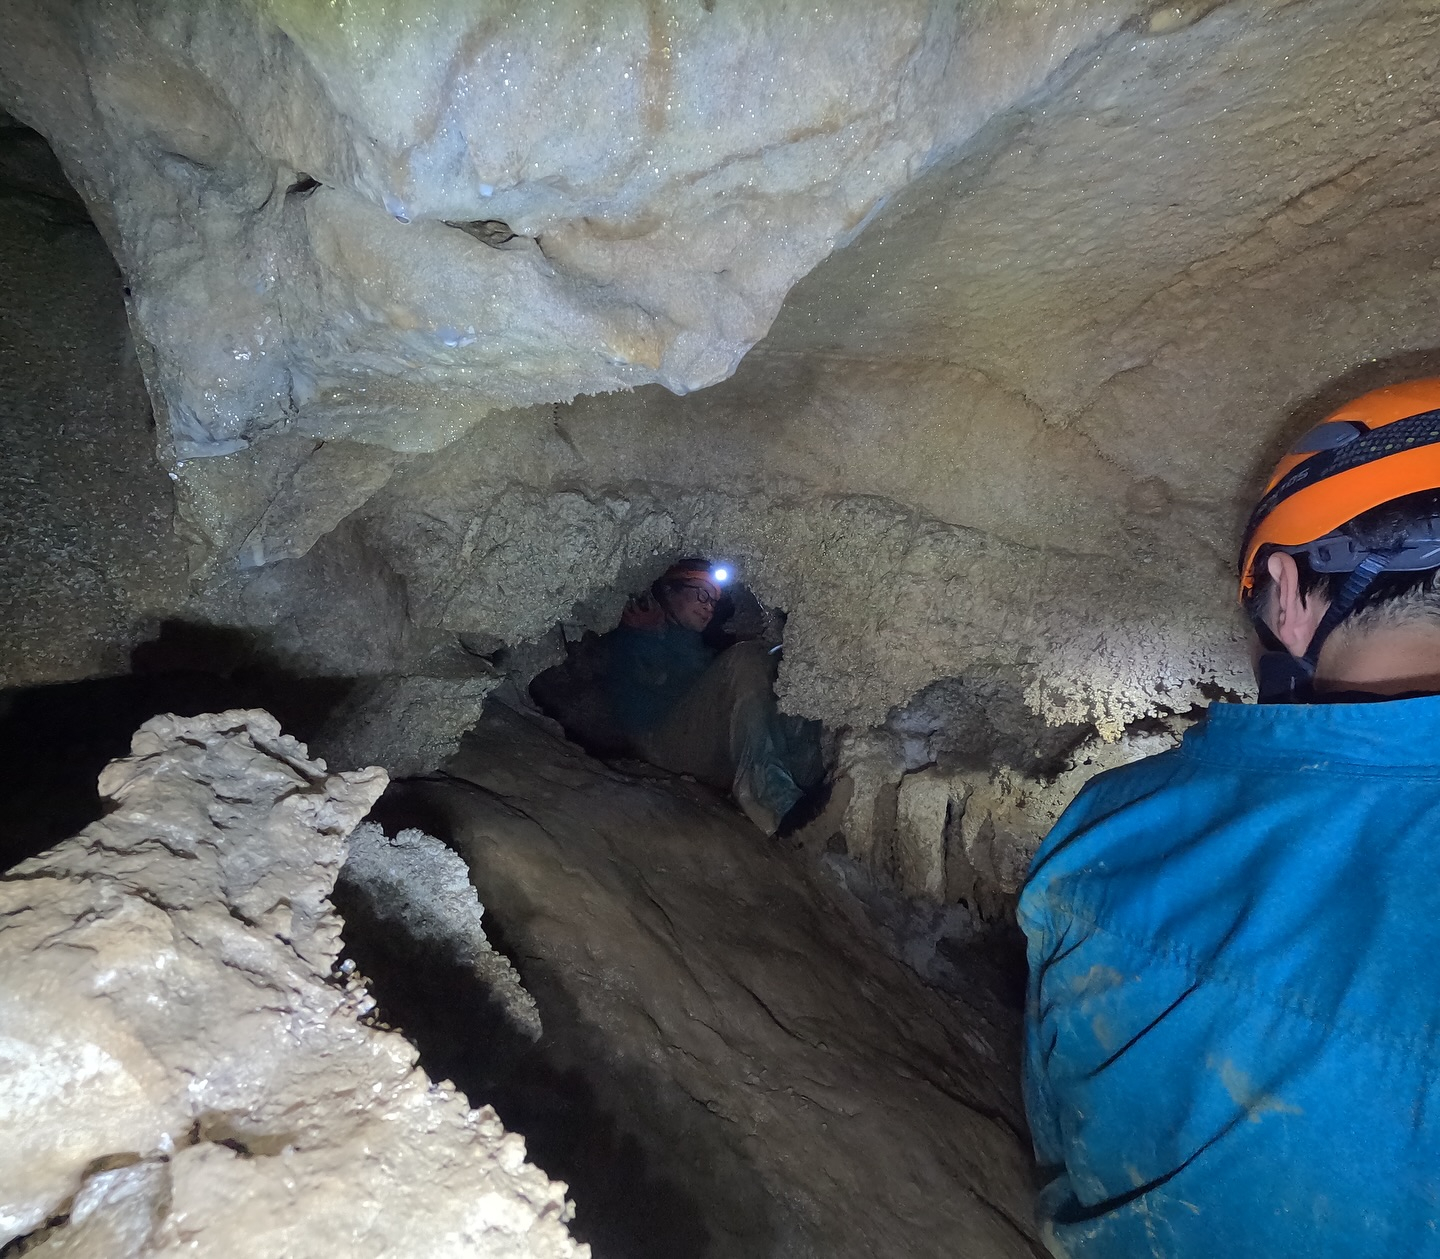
(702, 595)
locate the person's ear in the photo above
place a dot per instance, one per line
(1292, 617)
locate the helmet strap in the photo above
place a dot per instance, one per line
(1288, 679)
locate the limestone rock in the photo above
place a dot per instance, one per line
(1005, 813)
(414, 894)
(116, 1214)
(380, 222)
(924, 806)
(408, 724)
(89, 559)
(871, 762)
(1008, 433)
(181, 1071)
(331, 482)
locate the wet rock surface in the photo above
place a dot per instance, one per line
(1001, 440)
(770, 1080)
(182, 1071)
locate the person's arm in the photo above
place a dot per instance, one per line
(636, 675)
(1040, 1033)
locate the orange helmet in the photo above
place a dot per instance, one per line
(1382, 446)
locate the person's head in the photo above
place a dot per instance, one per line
(689, 592)
(1340, 561)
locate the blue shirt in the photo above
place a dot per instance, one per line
(1233, 1022)
(650, 670)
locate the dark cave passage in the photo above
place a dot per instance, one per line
(55, 740)
(574, 691)
(661, 1161)
(696, 982)
(628, 1206)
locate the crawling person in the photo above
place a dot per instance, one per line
(694, 709)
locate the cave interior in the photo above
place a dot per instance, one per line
(357, 364)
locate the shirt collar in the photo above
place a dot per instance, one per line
(1388, 734)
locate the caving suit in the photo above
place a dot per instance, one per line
(1233, 1022)
(693, 710)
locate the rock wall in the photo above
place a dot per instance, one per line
(89, 560)
(424, 297)
(412, 896)
(1001, 442)
(182, 1068)
(381, 221)
(1007, 436)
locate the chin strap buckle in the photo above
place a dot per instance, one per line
(1284, 679)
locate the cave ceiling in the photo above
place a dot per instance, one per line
(967, 329)
(382, 221)
(388, 344)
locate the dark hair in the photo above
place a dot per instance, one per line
(1378, 528)
(668, 585)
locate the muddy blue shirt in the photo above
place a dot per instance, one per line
(1233, 1024)
(649, 672)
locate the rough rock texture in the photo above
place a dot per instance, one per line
(88, 555)
(408, 725)
(381, 221)
(1000, 445)
(1006, 436)
(953, 831)
(1003, 438)
(181, 1072)
(415, 894)
(792, 1090)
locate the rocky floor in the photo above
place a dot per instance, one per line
(731, 1065)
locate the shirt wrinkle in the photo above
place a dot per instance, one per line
(1234, 949)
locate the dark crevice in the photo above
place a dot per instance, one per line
(490, 232)
(32, 181)
(18, 1246)
(55, 740)
(981, 721)
(626, 1206)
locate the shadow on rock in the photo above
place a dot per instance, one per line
(55, 740)
(626, 1208)
(732, 1066)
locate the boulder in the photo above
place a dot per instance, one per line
(183, 1068)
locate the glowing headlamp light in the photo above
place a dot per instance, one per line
(720, 575)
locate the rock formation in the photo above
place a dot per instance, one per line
(412, 895)
(363, 356)
(763, 1080)
(183, 1070)
(90, 558)
(1000, 439)
(380, 222)
(1100, 258)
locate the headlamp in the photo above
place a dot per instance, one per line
(720, 575)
